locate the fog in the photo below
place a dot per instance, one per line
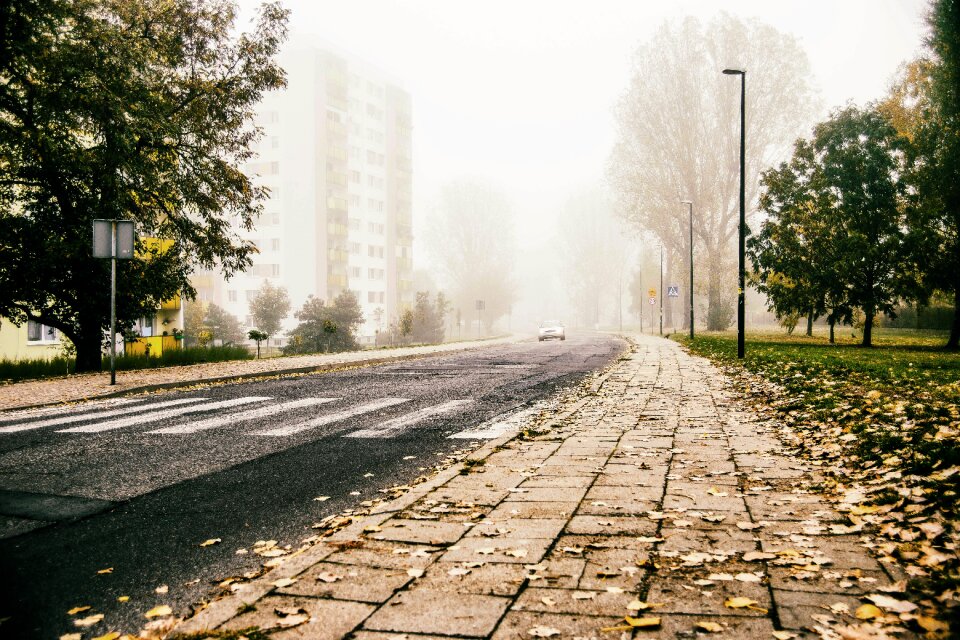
(518, 100)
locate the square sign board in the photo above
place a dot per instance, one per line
(103, 239)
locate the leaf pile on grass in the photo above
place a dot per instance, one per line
(881, 425)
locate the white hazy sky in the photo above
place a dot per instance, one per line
(520, 92)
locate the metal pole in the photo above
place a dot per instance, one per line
(741, 301)
(661, 289)
(690, 207)
(113, 303)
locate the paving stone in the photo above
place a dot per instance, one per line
(613, 494)
(420, 531)
(479, 496)
(533, 510)
(348, 582)
(611, 525)
(501, 529)
(382, 554)
(328, 618)
(517, 624)
(554, 482)
(505, 550)
(440, 612)
(827, 580)
(797, 608)
(491, 579)
(574, 601)
(677, 593)
(565, 494)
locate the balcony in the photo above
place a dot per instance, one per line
(335, 229)
(336, 281)
(336, 204)
(154, 346)
(337, 255)
(170, 305)
(404, 264)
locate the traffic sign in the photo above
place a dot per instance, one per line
(673, 291)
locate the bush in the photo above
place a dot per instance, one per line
(17, 370)
(934, 317)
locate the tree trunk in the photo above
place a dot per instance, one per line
(89, 356)
(868, 326)
(833, 322)
(810, 322)
(954, 341)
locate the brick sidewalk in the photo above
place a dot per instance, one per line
(97, 385)
(658, 496)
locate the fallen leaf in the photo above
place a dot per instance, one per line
(321, 498)
(868, 612)
(642, 623)
(328, 576)
(784, 635)
(414, 573)
(457, 571)
(293, 621)
(583, 595)
(748, 526)
(123, 598)
(162, 589)
(283, 582)
(891, 604)
(372, 528)
(156, 612)
(752, 556)
(89, 621)
(931, 624)
(543, 632)
(716, 492)
(747, 577)
(368, 475)
(487, 551)
(210, 542)
(739, 603)
(720, 576)
(548, 601)
(71, 636)
(77, 610)
(113, 635)
(637, 605)
(710, 627)
(517, 553)
(107, 570)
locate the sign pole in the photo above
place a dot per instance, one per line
(113, 303)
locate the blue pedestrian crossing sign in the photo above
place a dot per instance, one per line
(673, 291)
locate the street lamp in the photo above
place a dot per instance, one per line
(743, 223)
(689, 204)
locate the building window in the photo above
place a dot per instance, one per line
(355, 177)
(355, 224)
(275, 244)
(145, 327)
(37, 332)
(232, 295)
(355, 248)
(374, 251)
(354, 200)
(354, 272)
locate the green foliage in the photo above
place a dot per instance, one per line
(270, 308)
(834, 240)
(124, 109)
(428, 319)
(258, 337)
(326, 328)
(222, 325)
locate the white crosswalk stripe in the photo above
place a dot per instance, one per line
(62, 420)
(243, 416)
(290, 430)
(402, 424)
(498, 426)
(64, 409)
(154, 416)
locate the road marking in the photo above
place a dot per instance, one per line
(24, 426)
(61, 409)
(153, 416)
(397, 426)
(243, 416)
(331, 418)
(498, 426)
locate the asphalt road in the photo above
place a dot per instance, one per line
(136, 485)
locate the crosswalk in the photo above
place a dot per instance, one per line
(323, 416)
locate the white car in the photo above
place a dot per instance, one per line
(550, 329)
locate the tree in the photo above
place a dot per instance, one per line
(679, 138)
(270, 308)
(124, 109)
(326, 328)
(925, 107)
(194, 318)
(223, 325)
(428, 318)
(257, 336)
(835, 236)
(471, 235)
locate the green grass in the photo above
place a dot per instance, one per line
(885, 418)
(18, 370)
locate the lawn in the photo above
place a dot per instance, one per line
(882, 424)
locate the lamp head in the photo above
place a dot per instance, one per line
(686, 202)
(734, 72)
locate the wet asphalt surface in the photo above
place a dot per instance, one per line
(139, 503)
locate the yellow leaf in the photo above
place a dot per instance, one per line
(123, 598)
(156, 612)
(210, 542)
(71, 636)
(107, 570)
(643, 623)
(284, 582)
(784, 635)
(113, 635)
(89, 621)
(77, 610)
(739, 603)
(932, 624)
(711, 627)
(868, 612)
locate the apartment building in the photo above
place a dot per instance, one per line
(336, 156)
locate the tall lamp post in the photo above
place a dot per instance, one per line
(741, 315)
(689, 204)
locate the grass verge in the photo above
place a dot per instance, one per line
(883, 426)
